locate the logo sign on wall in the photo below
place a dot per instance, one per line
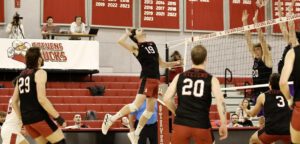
(57, 54)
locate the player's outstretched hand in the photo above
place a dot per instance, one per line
(245, 16)
(223, 132)
(127, 30)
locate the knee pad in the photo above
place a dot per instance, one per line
(133, 107)
(147, 114)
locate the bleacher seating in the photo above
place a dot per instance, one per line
(71, 98)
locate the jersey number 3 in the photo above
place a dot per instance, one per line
(190, 86)
(280, 100)
(24, 85)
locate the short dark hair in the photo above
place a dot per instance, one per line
(32, 57)
(132, 36)
(259, 45)
(77, 17)
(198, 54)
(49, 17)
(274, 81)
(234, 114)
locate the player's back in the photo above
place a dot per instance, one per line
(296, 75)
(194, 98)
(31, 110)
(149, 59)
(277, 113)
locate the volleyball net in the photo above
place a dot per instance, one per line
(228, 51)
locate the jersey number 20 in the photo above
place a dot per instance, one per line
(190, 87)
(24, 85)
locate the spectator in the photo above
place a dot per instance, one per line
(2, 117)
(77, 121)
(77, 27)
(91, 115)
(234, 121)
(15, 29)
(49, 27)
(244, 118)
(178, 68)
(150, 129)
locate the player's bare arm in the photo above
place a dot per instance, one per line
(221, 106)
(164, 64)
(41, 79)
(248, 35)
(267, 56)
(285, 74)
(16, 100)
(258, 106)
(292, 33)
(282, 26)
(169, 95)
(123, 42)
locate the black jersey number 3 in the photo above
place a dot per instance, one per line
(24, 85)
(197, 87)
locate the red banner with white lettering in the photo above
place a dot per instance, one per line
(236, 8)
(284, 8)
(164, 136)
(204, 15)
(17, 3)
(114, 13)
(63, 11)
(159, 14)
(1, 11)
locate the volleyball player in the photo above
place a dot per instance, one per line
(147, 54)
(30, 92)
(292, 68)
(194, 89)
(260, 52)
(277, 115)
(11, 128)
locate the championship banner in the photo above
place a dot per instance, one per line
(164, 136)
(57, 54)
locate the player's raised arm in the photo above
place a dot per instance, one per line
(123, 42)
(248, 35)
(282, 26)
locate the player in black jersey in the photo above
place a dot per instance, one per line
(147, 54)
(194, 89)
(34, 107)
(262, 67)
(285, 32)
(277, 115)
(291, 68)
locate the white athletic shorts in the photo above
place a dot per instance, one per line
(11, 135)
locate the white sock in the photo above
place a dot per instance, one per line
(138, 130)
(116, 116)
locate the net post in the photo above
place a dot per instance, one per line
(167, 59)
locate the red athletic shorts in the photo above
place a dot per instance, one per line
(183, 134)
(42, 128)
(268, 139)
(295, 117)
(149, 87)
